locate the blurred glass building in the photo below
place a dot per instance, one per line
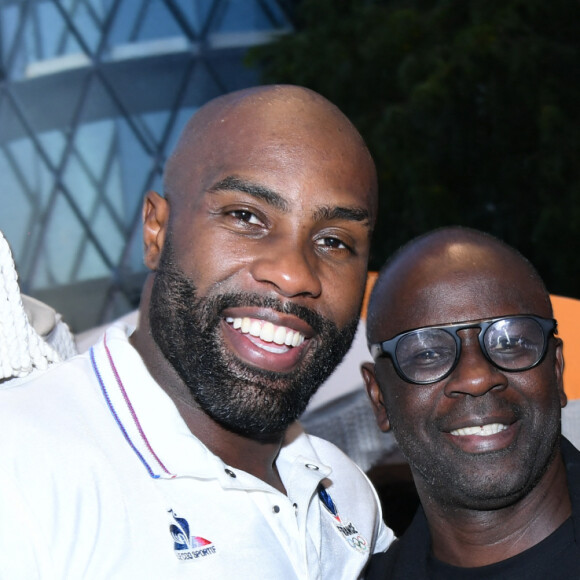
(92, 96)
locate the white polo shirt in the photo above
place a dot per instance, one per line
(101, 478)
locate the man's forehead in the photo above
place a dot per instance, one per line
(283, 137)
(470, 295)
(456, 284)
(282, 161)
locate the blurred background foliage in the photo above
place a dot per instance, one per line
(471, 109)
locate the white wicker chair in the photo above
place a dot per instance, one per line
(32, 335)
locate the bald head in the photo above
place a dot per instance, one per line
(275, 184)
(453, 275)
(292, 122)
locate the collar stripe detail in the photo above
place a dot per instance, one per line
(131, 409)
(118, 420)
(113, 412)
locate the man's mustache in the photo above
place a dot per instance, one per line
(220, 302)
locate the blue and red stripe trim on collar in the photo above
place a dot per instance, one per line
(139, 439)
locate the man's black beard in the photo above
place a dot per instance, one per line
(243, 398)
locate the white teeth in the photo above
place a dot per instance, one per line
(280, 335)
(482, 431)
(267, 331)
(255, 328)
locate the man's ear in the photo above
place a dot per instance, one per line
(559, 370)
(375, 394)
(155, 220)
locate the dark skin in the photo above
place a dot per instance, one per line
(270, 191)
(486, 498)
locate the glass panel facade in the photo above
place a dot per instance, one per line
(93, 94)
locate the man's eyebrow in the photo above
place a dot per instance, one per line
(356, 214)
(324, 213)
(256, 190)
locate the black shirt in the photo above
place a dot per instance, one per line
(557, 556)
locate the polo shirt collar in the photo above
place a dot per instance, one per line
(160, 438)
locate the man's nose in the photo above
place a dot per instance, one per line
(290, 266)
(474, 374)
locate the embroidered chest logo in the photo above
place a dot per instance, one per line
(347, 529)
(186, 546)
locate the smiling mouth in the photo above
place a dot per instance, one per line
(271, 334)
(481, 431)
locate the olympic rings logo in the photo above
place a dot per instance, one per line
(358, 543)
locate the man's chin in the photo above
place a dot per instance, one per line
(258, 426)
(257, 408)
(264, 434)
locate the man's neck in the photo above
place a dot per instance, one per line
(473, 538)
(254, 456)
